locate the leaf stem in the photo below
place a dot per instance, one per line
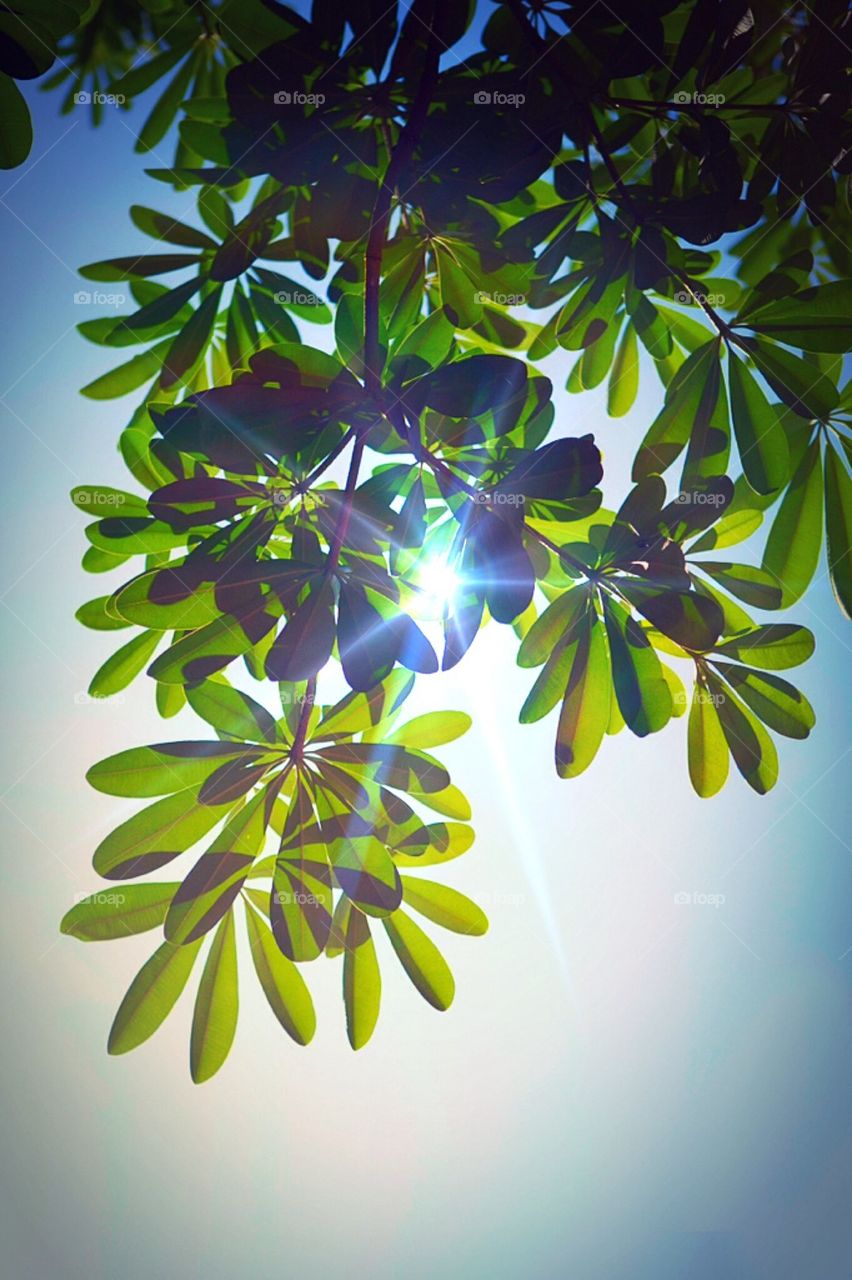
(298, 748)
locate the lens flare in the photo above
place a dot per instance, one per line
(437, 583)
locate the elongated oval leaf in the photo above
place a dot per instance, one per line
(421, 959)
(152, 996)
(283, 985)
(119, 913)
(362, 982)
(214, 1020)
(793, 546)
(444, 906)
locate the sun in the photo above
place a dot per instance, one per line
(437, 583)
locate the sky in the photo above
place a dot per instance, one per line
(627, 1087)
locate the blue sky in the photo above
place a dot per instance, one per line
(628, 1087)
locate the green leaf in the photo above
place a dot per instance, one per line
(431, 730)
(214, 1020)
(362, 982)
(155, 835)
(838, 528)
(140, 266)
(124, 665)
(734, 527)
(421, 959)
(118, 913)
(779, 704)
(205, 651)
(774, 647)
(152, 996)
(584, 715)
(160, 770)
(163, 227)
(449, 840)
(756, 587)
(793, 546)
(644, 699)
(104, 501)
(94, 614)
(16, 130)
(707, 746)
(760, 436)
(127, 377)
(691, 398)
(283, 985)
(165, 108)
(163, 308)
(189, 345)
(815, 319)
(748, 742)
(459, 298)
(232, 712)
(217, 877)
(624, 379)
(444, 906)
(301, 905)
(551, 627)
(365, 872)
(449, 801)
(691, 620)
(175, 609)
(357, 712)
(795, 381)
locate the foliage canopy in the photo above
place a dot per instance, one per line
(662, 188)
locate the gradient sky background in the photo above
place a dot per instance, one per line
(626, 1088)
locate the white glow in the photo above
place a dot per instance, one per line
(438, 583)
